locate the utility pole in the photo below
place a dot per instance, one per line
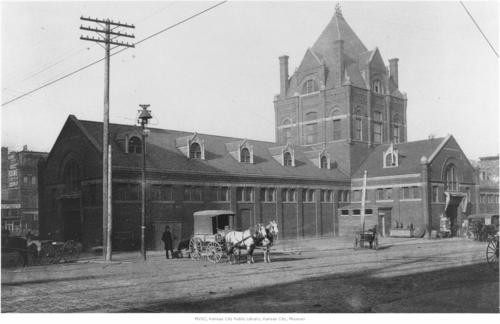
(105, 32)
(144, 117)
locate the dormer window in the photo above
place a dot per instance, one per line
(377, 86)
(391, 158)
(134, 145)
(245, 155)
(195, 151)
(324, 162)
(310, 86)
(287, 159)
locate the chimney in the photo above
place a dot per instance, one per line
(25, 147)
(283, 75)
(393, 70)
(338, 48)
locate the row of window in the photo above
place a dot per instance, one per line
(311, 86)
(131, 191)
(356, 212)
(311, 132)
(488, 199)
(29, 180)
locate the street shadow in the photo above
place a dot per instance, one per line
(49, 280)
(384, 289)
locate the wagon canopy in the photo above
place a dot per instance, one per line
(487, 218)
(209, 221)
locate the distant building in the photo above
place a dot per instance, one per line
(488, 184)
(340, 113)
(20, 190)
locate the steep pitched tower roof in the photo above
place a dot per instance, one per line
(338, 29)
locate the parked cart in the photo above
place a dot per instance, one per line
(366, 239)
(26, 251)
(210, 228)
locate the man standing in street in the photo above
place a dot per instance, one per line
(167, 239)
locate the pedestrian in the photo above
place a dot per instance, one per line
(167, 239)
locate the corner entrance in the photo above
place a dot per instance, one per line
(452, 211)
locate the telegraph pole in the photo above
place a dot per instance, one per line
(144, 117)
(105, 32)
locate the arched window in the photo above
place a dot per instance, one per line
(451, 178)
(324, 162)
(287, 159)
(71, 176)
(245, 155)
(390, 160)
(377, 86)
(309, 86)
(134, 145)
(195, 151)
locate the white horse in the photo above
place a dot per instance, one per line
(271, 235)
(244, 240)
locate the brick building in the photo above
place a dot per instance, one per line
(488, 184)
(20, 190)
(338, 115)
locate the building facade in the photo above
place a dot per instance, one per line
(488, 184)
(20, 190)
(339, 116)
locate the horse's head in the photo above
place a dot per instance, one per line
(272, 227)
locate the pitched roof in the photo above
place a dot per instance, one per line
(409, 158)
(164, 155)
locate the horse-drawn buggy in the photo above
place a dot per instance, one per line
(28, 251)
(216, 240)
(367, 238)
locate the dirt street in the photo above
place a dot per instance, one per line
(426, 276)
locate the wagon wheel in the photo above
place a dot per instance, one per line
(492, 252)
(70, 251)
(214, 252)
(32, 255)
(195, 248)
(356, 242)
(48, 254)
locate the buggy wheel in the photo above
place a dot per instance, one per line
(48, 254)
(355, 242)
(70, 251)
(214, 252)
(195, 248)
(492, 251)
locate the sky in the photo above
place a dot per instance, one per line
(218, 73)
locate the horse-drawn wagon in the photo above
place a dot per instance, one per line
(210, 228)
(215, 238)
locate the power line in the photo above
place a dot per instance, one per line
(479, 28)
(121, 50)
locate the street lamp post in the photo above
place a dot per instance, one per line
(144, 117)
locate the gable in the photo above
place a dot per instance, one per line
(73, 142)
(449, 153)
(376, 62)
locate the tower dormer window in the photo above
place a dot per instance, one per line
(245, 155)
(195, 151)
(310, 86)
(377, 86)
(134, 145)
